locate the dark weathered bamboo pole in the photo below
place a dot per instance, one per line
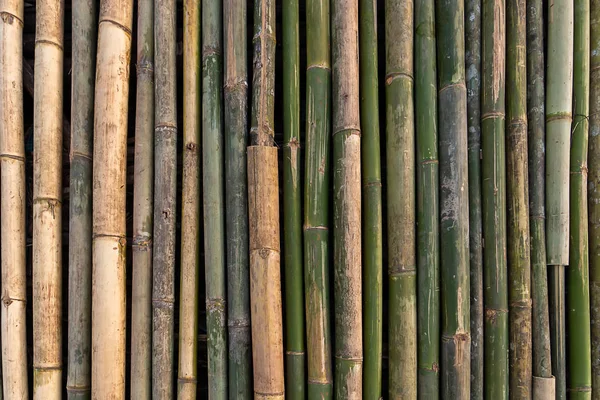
(316, 199)
(454, 210)
(543, 382)
(428, 256)
(236, 198)
(372, 200)
(577, 274)
(263, 207)
(494, 200)
(83, 66)
(473, 83)
(47, 201)
(190, 205)
(400, 145)
(347, 245)
(109, 181)
(143, 200)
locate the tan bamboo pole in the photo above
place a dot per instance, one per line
(110, 154)
(12, 164)
(47, 201)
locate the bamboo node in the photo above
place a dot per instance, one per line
(215, 305)
(7, 300)
(9, 18)
(458, 85)
(392, 76)
(580, 389)
(238, 323)
(210, 51)
(50, 42)
(351, 130)
(125, 29)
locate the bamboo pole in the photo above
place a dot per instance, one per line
(577, 274)
(373, 206)
(401, 207)
(190, 209)
(214, 198)
(347, 243)
(143, 200)
(494, 200)
(428, 255)
(316, 200)
(473, 84)
(236, 192)
(292, 206)
(47, 201)
(109, 243)
(454, 211)
(558, 132)
(84, 28)
(543, 381)
(263, 207)
(13, 323)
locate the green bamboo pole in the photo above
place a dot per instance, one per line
(143, 200)
(428, 256)
(494, 201)
(84, 29)
(543, 382)
(400, 144)
(519, 258)
(558, 132)
(454, 210)
(577, 274)
(347, 245)
(294, 277)
(594, 194)
(13, 325)
(214, 198)
(316, 201)
(190, 209)
(236, 192)
(372, 198)
(473, 82)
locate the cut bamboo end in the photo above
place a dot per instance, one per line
(543, 388)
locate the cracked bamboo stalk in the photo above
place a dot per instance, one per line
(109, 179)
(12, 166)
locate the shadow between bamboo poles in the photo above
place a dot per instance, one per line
(84, 29)
(12, 163)
(143, 201)
(47, 201)
(109, 242)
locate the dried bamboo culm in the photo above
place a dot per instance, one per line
(109, 179)
(47, 201)
(13, 294)
(263, 207)
(84, 29)
(143, 195)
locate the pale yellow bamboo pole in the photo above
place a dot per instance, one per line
(12, 161)
(110, 156)
(47, 200)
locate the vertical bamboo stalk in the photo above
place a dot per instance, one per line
(84, 28)
(47, 201)
(214, 198)
(347, 201)
(263, 206)
(108, 243)
(190, 209)
(292, 206)
(428, 256)
(12, 166)
(316, 201)
(400, 144)
(473, 83)
(372, 198)
(494, 200)
(543, 382)
(236, 192)
(577, 274)
(454, 211)
(143, 200)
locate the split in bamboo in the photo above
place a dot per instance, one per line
(143, 200)
(13, 294)
(316, 200)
